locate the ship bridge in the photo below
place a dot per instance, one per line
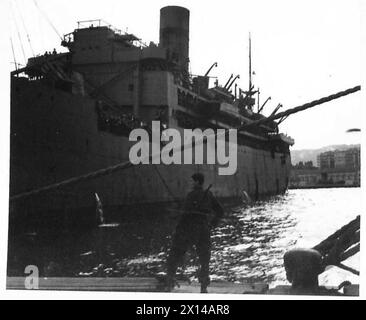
(97, 41)
(96, 26)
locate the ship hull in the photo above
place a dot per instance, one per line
(55, 136)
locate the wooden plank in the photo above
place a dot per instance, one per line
(224, 287)
(153, 285)
(88, 284)
(133, 285)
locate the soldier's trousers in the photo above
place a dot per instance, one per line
(188, 234)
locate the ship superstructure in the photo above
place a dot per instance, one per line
(71, 113)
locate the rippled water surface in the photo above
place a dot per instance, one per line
(254, 243)
(247, 246)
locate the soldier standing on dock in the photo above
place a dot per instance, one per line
(194, 229)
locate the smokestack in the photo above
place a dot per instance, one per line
(174, 34)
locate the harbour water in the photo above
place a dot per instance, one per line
(301, 218)
(249, 245)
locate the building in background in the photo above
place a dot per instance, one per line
(334, 169)
(326, 160)
(340, 159)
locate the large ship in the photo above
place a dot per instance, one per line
(72, 113)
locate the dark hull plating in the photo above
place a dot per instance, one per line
(55, 136)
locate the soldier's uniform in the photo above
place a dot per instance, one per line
(194, 229)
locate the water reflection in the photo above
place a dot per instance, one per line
(251, 245)
(247, 246)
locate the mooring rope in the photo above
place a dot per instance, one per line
(128, 164)
(175, 199)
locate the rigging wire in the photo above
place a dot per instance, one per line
(25, 28)
(19, 36)
(47, 18)
(15, 60)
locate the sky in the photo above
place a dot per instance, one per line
(301, 50)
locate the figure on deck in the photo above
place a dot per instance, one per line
(194, 230)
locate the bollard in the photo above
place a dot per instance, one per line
(303, 267)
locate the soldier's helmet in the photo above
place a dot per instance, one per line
(199, 177)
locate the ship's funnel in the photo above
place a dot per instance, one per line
(174, 34)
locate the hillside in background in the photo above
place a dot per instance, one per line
(310, 154)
